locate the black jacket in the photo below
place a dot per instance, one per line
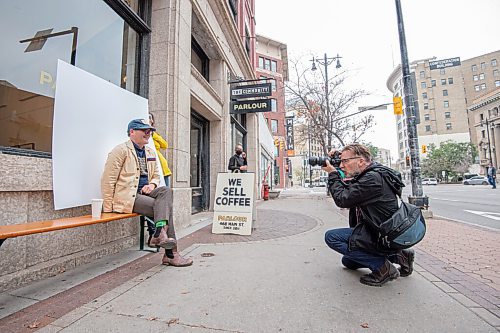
(371, 199)
(235, 162)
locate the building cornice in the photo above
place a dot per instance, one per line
(485, 100)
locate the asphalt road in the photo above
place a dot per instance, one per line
(471, 204)
(478, 204)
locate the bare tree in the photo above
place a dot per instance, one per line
(327, 123)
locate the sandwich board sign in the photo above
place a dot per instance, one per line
(234, 203)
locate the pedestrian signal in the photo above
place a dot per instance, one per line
(398, 105)
(424, 149)
(407, 160)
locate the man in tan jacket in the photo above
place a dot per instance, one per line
(130, 183)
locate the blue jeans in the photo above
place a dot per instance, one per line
(492, 181)
(338, 240)
(167, 181)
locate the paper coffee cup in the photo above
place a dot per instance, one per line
(96, 208)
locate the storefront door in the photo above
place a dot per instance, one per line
(200, 181)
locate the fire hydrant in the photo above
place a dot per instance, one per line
(265, 189)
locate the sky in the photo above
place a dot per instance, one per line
(364, 33)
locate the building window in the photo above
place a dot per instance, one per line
(448, 126)
(476, 87)
(427, 128)
(108, 46)
(426, 106)
(450, 80)
(423, 85)
(274, 126)
(274, 107)
(233, 4)
(481, 76)
(273, 84)
(401, 146)
(474, 68)
(261, 62)
(447, 115)
(422, 74)
(274, 66)
(199, 59)
(446, 104)
(424, 95)
(483, 134)
(247, 42)
(497, 83)
(481, 117)
(445, 92)
(443, 82)
(483, 86)
(427, 117)
(475, 77)
(267, 64)
(483, 65)
(493, 63)
(442, 71)
(495, 72)
(433, 83)
(263, 79)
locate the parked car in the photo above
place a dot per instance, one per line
(429, 181)
(476, 180)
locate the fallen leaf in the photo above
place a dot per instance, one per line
(312, 249)
(365, 325)
(152, 318)
(62, 270)
(173, 321)
(307, 262)
(207, 254)
(34, 325)
(185, 292)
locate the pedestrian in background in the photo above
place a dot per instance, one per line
(492, 176)
(370, 192)
(238, 162)
(161, 143)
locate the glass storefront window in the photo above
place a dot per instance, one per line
(106, 47)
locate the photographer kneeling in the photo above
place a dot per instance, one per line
(370, 194)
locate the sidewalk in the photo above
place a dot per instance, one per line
(281, 279)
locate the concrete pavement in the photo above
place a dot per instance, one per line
(281, 279)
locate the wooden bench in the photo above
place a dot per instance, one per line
(38, 227)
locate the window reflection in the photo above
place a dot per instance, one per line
(106, 47)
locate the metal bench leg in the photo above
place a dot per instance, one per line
(141, 233)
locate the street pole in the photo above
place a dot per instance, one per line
(416, 180)
(309, 143)
(489, 141)
(327, 99)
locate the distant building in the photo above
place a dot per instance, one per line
(383, 157)
(272, 67)
(443, 91)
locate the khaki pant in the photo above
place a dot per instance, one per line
(157, 205)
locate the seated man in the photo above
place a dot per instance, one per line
(130, 184)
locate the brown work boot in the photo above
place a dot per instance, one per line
(405, 260)
(163, 241)
(378, 278)
(177, 261)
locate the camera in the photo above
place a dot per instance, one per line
(321, 160)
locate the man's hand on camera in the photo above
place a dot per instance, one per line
(332, 152)
(329, 168)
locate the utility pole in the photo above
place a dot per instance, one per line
(417, 197)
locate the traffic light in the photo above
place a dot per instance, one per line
(276, 142)
(407, 160)
(398, 105)
(282, 145)
(424, 149)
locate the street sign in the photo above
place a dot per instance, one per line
(251, 106)
(290, 146)
(251, 90)
(438, 64)
(376, 107)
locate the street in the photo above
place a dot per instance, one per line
(476, 205)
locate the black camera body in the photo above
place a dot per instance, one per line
(321, 160)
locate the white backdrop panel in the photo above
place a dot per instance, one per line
(90, 118)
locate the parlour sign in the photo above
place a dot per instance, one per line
(249, 106)
(234, 200)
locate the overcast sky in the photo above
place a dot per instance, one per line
(364, 33)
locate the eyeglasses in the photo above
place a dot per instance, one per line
(146, 131)
(344, 160)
